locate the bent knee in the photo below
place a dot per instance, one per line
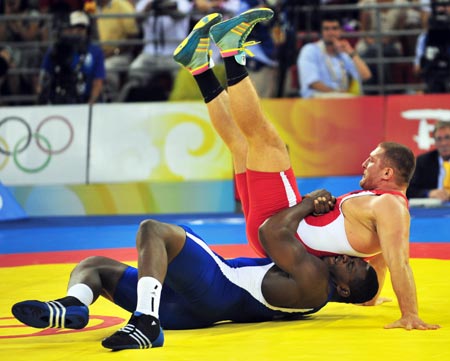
(93, 262)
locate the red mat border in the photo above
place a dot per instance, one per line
(417, 250)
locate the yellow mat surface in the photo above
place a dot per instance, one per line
(337, 331)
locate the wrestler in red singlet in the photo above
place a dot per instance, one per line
(272, 192)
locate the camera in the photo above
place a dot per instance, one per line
(164, 7)
(66, 84)
(435, 62)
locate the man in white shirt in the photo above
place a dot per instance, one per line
(328, 67)
(166, 25)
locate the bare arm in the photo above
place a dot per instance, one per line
(277, 234)
(343, 45)
(378, 263)
(393, 222)
(362, 67)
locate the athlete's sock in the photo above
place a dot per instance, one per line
(208, 84)
(148, 296)
(235, 71)
(81, 292)
(69, 301)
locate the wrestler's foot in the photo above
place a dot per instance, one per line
(230, 35)
(68, 312)
(142, 331)
(193, 52)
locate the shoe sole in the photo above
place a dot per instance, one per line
(42, 315)
(218, 31)
(203, 24)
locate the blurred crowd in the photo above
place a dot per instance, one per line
(89, 51)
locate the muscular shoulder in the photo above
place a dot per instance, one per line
(388, 204)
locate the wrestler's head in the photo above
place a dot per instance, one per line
(355, 280)
(389, 166)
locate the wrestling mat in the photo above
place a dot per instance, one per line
(36, 258)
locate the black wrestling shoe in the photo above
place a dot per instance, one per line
(142, 331)
(54, 314)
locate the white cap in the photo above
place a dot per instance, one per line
(78, 18)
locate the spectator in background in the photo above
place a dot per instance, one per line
(432, 56)
(330, 67)
(228, 8)
(425, 11)
(117, 56)
(28, 56)
(184, 86)
(166, 24)
(73, 70)
(390, 19)
(263, 67)
(431, 178)
(6, 62)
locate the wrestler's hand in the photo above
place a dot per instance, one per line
(412, 322)
(323, 201)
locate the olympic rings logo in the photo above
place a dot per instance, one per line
(24, 142)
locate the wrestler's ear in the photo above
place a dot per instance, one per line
(388, 172)
(344, 291)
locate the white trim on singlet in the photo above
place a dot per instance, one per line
(331, 237)
(290, 194)
(248, 278)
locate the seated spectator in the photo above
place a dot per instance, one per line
(29, 31)
(228, 8)
(390, 19)
(6, 62)
(328, 67)
(117, 56)
(184, 86)
(432, 57)
(73, 69)
(425, 11)
(166, 24)
(431, 178)
(263, 67)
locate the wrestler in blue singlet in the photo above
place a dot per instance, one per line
(202, 288)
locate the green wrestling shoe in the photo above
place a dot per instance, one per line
(193, 52)
(230, 35)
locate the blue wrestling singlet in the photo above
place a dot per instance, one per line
(202, 288)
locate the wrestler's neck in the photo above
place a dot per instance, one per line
(385, 186)
(390, 189)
